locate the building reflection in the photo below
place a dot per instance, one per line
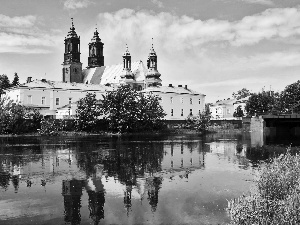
(72, 192)
(139, 167)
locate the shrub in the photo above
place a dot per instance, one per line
(200, 122)
(275, 198)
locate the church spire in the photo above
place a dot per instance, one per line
(72, 66)
(127, 75)
(152, 77)
(96, 58)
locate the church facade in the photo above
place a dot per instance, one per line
(59, 98)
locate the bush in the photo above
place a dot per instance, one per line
(16, 118)
(275, 198)
(200, 122)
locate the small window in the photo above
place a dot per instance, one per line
(199, 111)
(191, 101)
(216, 111)
(29, 99)
(228, 111)
(43, 100)
(199, 101)
(171, 99)
(17, 98)
(172, 112)
(181, 112)
(181, 99)
(191, 112)
(57, 101)
(70, 100)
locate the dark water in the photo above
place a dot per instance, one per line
(179, 179)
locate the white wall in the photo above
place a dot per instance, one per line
(177, 105)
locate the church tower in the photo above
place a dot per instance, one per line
(152, 77)
(127, 76)
(96, 58)
(72, 67)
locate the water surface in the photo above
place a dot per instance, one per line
(177, 179)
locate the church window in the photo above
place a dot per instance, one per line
(191, 112)
(43, 100)
(29, 99)
(228, 111)
(199, 101)
(181, 112)
(191, 101)
(172, 112)
(70, 100)
(56, 101)
(171, 98)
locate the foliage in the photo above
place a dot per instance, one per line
(290, 96)
(15, 81)
(200, 122)
(238, 112)
(126, 110)
(4, 83)
(243, 93)
(87, 113)
(275, 198)
(54, 127)
(16, 118)
(262, 103)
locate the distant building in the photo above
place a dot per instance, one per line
(224, 109)
(59, 98)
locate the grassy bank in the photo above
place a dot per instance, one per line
(275, 197)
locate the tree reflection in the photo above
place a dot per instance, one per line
(153, 186)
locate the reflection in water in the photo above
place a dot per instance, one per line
(95, 174)
(72, 192)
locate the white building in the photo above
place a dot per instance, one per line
(223, 110)
(59, 98)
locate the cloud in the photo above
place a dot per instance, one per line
(22, 35)
(77, 4)
(262, 2)
(158, 3)
(18, 21)
(177, 33)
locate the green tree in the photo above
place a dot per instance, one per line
(265, 102)
(238, 112)
(87, 113)
(15, 81)
(126, 110)
(4, 83)
(243, 93)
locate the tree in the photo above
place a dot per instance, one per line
(238, 112)
(15, 81)
(290, 96)
(126, 110)
(4, 83)
(262, 103)
(200, 122)
(87, 113)
(16, 118)
(243, 93)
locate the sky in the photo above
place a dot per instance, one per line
(216, 47)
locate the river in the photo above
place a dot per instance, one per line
(153, 179)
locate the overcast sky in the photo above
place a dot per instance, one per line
(216, 47)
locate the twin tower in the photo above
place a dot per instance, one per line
(72, 67)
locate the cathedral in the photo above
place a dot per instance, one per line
(59, 98)
(134, 74)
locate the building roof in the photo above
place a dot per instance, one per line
(47, 84)
(224, 102)
(175, 90)
(112, 74)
